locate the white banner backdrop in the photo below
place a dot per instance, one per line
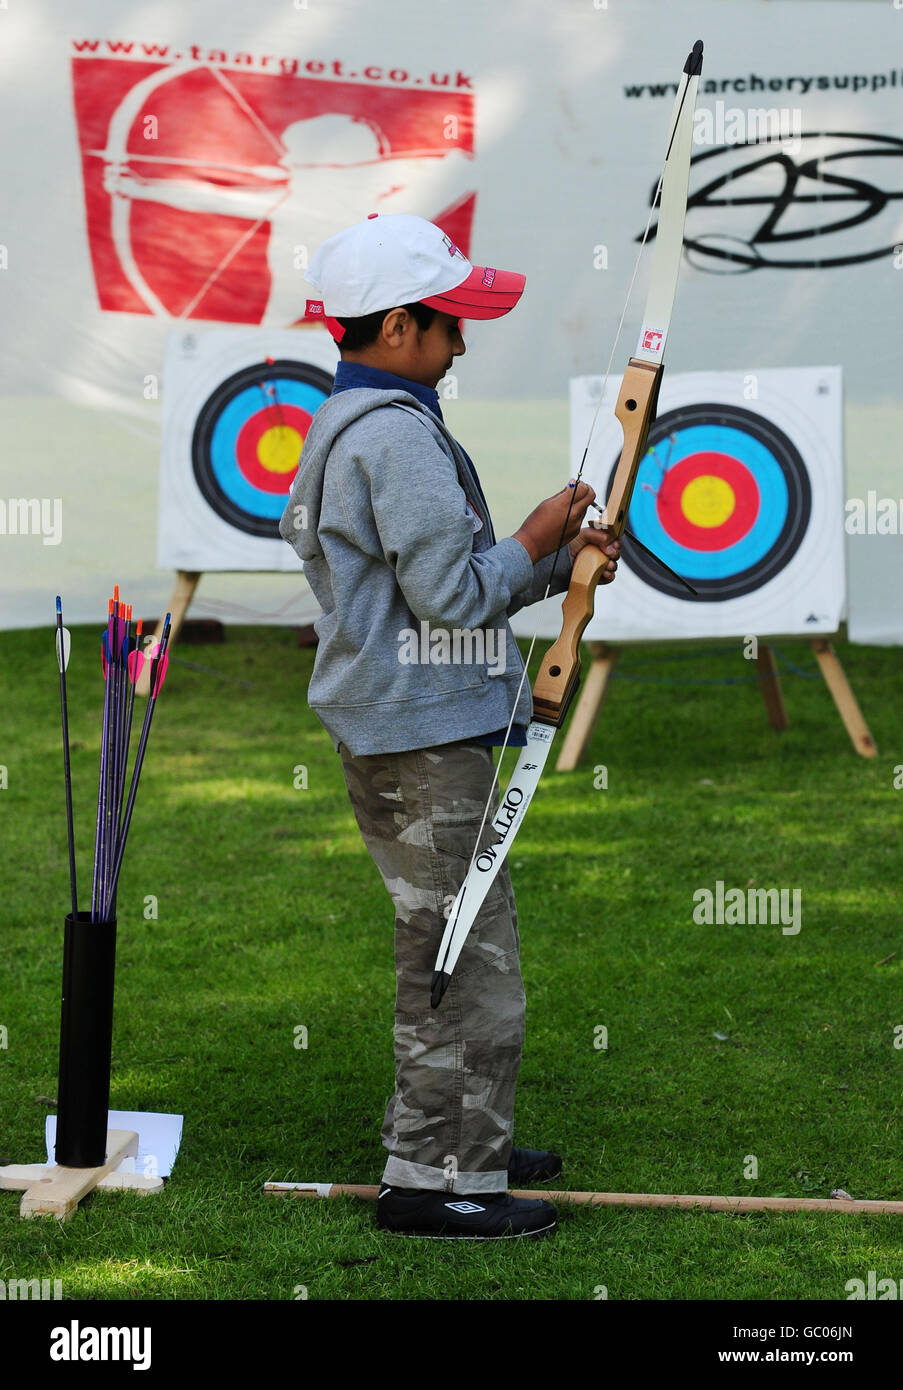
(178, 165)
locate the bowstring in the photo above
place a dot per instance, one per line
(558, 549)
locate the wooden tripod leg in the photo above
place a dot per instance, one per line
(770, 684)
(182, 594)
(589, 706)
(844, 698)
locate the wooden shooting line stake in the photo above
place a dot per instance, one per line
(734, 1206)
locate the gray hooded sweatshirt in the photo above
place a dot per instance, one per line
(399, 551)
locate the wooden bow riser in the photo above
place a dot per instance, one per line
(559, 672)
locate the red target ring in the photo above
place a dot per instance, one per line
(708, 501)
(269, 445)
(723, 497)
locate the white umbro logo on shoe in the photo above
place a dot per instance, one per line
(465, 1207)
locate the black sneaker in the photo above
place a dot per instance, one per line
(431, 1215)
(532, 1165)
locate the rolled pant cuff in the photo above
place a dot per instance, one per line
(400, 1172)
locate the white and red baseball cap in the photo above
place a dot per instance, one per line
(395, 258)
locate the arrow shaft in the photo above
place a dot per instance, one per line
(121, 745)
(275, 173)
(130, 804)
(845, 1206)
(659, 561)
(128, 725)
(67, 766)
(157, 672)
(99, 837)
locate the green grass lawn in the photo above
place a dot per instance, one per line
(723, 1041)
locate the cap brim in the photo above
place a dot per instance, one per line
(485, 294)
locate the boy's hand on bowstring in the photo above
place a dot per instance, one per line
(600, 536)
(545, 530)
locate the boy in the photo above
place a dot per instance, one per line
(399, 549)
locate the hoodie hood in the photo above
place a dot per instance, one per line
(301, 519)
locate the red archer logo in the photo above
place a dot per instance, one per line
(193, 214)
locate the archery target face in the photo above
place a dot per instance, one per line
(248, 439)
(723, 497)
(237, 408)
(743, 497)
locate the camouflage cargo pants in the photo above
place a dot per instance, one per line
(449, 1124)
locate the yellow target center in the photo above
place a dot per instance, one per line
(279, 449)
(708, 501)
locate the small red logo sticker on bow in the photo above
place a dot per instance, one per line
(652, 340)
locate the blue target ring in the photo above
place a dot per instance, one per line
(248, 438)
(723, 497)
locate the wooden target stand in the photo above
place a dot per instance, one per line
(605, 656)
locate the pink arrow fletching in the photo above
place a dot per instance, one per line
(161, 675)
(135, 664)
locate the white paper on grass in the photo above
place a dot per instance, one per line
(159, 1137)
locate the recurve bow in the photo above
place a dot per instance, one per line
(559, 672)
